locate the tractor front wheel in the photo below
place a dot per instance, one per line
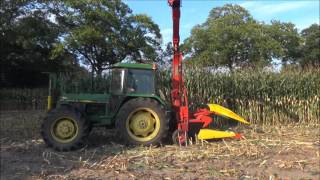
(142, 121)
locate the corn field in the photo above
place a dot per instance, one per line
(258, 95)
(23, 99)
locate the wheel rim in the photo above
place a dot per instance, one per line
(64, 130)
(143, 124)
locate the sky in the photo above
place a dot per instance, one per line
(302, 13)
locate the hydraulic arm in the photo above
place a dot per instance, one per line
(178, 92)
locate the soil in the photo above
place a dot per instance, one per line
(289, 151)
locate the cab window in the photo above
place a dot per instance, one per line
(140, 81)
(117, 81)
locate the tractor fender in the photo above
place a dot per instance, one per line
(157, 98)
(133, 96)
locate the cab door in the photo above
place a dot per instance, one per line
(116, 90)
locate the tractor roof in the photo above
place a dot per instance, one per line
(134, 66)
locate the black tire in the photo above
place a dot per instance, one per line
(53, 117)
(137, 105)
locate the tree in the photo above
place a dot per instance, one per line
(104, 32)
(231, 38)
(311, 46)
(27, 38)
(288, 37)
(166, 56)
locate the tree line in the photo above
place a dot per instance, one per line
(38, 36)
(232, 38)
(48, 36)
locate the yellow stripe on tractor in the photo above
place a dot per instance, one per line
(222, 111)
(205, 134)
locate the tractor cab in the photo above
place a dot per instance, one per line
(133, 79)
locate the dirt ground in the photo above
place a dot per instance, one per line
(281, 152)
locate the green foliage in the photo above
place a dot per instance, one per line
(27, 39)
(41, 36)
(103, 32)
(166, 56)
(80, 82)
(229, 10)
(262, 96)
(287, 35)
(311, 46)
(23, 98)
(231, 38)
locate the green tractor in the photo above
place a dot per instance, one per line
(132, 105)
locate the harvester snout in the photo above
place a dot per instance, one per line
(204, 116)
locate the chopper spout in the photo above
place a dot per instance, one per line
(222, 111)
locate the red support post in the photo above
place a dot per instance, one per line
(178, 92)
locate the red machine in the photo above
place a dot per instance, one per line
(180, 99)
(178, 92)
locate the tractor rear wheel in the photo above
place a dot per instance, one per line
(142, 121)
(65, 129)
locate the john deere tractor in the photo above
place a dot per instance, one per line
(133, 106)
